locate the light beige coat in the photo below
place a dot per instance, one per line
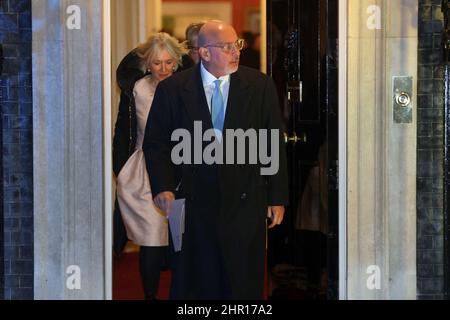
(146, 225)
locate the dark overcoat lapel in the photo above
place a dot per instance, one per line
(238, 99)
(194, 100)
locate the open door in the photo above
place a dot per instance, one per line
(302, 59)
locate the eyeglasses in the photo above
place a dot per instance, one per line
(227, 47)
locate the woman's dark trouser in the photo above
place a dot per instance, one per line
(151, 260)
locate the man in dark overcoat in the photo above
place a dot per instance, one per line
(228, 201)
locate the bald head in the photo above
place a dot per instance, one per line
(213, 31)
(214, 41)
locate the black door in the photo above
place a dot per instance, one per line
(302, 59)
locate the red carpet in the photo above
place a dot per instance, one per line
(127, 281)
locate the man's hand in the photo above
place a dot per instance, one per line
(164, 201)
(276, 214)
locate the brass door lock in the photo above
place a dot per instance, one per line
(294, 139)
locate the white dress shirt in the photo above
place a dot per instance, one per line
(209, 86)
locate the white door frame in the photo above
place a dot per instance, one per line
(343, 20)
(107, 147)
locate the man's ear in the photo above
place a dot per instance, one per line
(204, 54)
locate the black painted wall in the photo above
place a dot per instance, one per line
(430, 153)
(17, 149)
(2, 259)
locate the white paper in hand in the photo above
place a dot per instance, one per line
(176, 222)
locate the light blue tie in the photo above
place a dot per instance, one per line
(217, 106)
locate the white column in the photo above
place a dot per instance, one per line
(382, 43)
(68, 150)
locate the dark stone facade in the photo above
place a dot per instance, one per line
(17, 149)
(2, 256)
(430, 153)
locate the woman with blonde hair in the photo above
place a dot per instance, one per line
(138, 76)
